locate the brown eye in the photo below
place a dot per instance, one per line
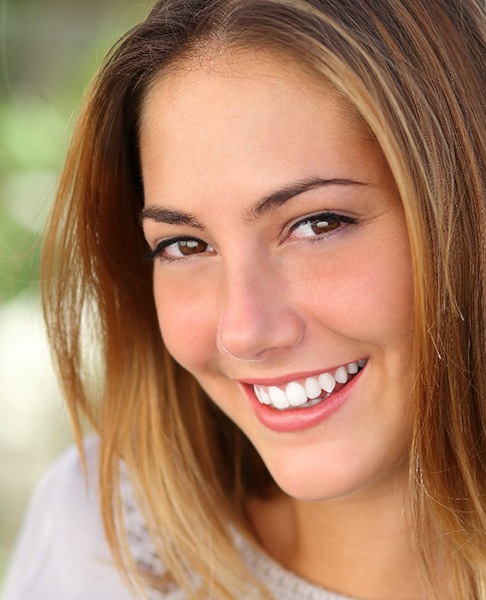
(178, 249)
(322, 226)
(190, 247)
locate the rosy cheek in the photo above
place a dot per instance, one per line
(383, 296)
(365, 294)
(187, 322)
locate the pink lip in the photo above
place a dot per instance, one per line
(297, 419)
(283, 380)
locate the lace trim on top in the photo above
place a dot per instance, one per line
(283, 584)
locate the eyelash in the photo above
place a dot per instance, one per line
(157, 252)
(325, 217)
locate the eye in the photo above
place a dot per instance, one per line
(179, 249)
(320, 225)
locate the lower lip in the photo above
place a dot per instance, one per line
(298, 419)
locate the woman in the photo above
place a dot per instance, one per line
(292, 391)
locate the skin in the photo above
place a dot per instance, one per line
(260, 297)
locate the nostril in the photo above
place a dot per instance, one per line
(255, 340)
(243, 346)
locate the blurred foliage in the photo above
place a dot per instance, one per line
(49, 50)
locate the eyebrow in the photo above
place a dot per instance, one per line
(159, 214)
(270, 202)
(279, 197)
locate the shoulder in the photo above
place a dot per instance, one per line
(62, 552)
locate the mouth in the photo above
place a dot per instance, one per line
(306, 393)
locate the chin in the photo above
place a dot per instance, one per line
(328, 480)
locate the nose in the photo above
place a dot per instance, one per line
(258, 319)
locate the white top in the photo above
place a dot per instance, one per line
(62, 553)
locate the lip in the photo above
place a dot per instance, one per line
(299, 419)
(283, 380)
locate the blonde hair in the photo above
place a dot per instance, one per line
(414, 70)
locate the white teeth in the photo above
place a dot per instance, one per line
(262, 395)
(341, 375)
(265, 397)
(307, 392)
(258, 393)
(312, 388)
(296, 394)
(278, 397)
(327, 382)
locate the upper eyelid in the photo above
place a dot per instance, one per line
(321, 216)
(168, 241)
(179, 238)
(157, 248)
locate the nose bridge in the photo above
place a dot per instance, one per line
(257, 317)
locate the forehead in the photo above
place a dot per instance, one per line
(246, 117)
(186, 78)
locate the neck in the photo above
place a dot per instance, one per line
(360, 546)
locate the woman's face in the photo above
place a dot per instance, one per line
(282, 271)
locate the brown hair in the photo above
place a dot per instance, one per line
(415, 71)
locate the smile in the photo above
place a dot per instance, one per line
(310, 391)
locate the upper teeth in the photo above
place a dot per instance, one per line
(296, 393)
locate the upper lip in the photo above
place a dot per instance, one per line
(283, 379)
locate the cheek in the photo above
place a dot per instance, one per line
(366, 295)
(187, 317)
(383, 297)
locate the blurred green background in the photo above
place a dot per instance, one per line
(49, 50)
